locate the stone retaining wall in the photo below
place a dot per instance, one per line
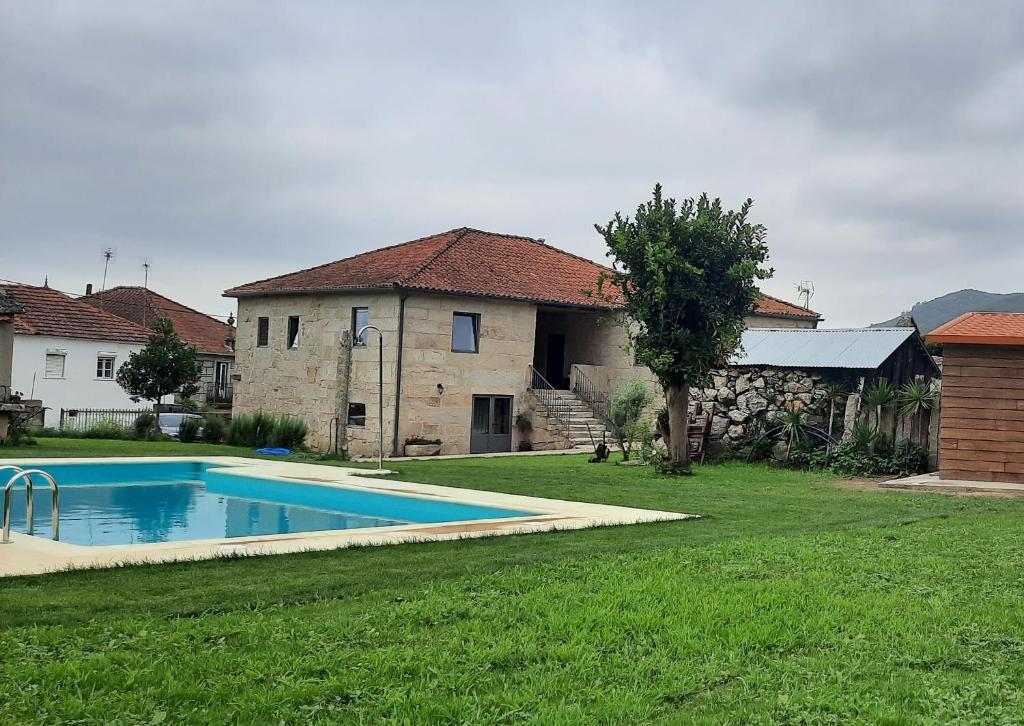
(750, 398)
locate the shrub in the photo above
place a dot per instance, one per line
(107, 430)
(145, 425)
(188, 431)
(263, 429)
(213, 429)
(628, 405)
(420, 441)
(289, 433)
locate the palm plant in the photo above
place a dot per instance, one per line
(916, 397)
(793, 425)
(863, 436)
(880, 395)
(834, 392)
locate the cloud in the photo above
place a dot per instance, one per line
(234, 141)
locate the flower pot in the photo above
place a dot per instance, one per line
(422, 449)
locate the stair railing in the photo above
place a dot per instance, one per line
(556, 407)
(26, 474)
(590, 394)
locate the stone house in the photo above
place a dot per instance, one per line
(214, 340)
(780, 367)
(476, 327)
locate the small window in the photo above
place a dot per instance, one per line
(466, 333)
(360, 318)
(262, 332)
(357, 414)
(105, 367)
(54, 365)
(293, 332)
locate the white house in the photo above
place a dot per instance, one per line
(66, 352)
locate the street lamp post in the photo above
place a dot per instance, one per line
(380, 391)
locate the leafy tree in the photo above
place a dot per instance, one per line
(628, 425)
(687, 275)
(165, 365)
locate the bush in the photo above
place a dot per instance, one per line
(263, 429)
(628, 404)
(145, 425)
(853, 459)
(107, 430)
(289, 433)
(213, 429)
(188, 431)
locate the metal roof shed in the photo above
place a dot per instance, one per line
(897, 354)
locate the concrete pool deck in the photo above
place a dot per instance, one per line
(28, 555)
(931, 482)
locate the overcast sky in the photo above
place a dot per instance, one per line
(883, 143)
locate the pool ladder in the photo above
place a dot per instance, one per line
(26, 474)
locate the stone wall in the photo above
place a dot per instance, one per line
(749, 398)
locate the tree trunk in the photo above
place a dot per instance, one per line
(678, 399)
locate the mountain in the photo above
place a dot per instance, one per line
(933, 313)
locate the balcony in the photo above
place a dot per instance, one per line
(219, 393)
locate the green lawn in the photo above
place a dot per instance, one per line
(793, 600)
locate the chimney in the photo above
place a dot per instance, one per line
(88, 289)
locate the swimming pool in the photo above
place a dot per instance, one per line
(151, 502)
(142, 510)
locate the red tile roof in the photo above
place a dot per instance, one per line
(145, 307)
(48, 312)
(982, 329)
(469, 262)
(776, 308)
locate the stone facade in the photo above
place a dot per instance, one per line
(748, 399)
(437, 383)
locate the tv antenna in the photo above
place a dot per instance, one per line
(804, 293)
(108, 255)
(145, 267)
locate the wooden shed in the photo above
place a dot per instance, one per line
(982, 429)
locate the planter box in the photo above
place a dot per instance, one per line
(422, 449)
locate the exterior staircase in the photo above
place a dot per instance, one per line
(569, 413)
(580, 417)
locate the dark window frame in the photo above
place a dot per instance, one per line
(353, 417)
(475, 317)
(101, 368)
(365, 340)
(262, 332)
(293, 338)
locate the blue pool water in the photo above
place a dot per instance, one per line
(128, 503)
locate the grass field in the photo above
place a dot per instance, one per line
(792, 600)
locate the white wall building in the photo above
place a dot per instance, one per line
(67, 353)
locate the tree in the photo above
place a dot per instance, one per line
(686, 275)
(628, 424)
(165, 365)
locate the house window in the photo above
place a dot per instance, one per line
(54, 365)
(357, 414)
(466, 333)
(360, 318)
(293, 332)
(262, 332)
(105, 366)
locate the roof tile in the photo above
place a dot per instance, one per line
(48, 312)
(981, 328)
(144, 307)
(471, 262)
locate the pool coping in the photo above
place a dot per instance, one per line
(30, 555)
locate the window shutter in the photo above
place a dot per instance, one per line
(54, 365)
